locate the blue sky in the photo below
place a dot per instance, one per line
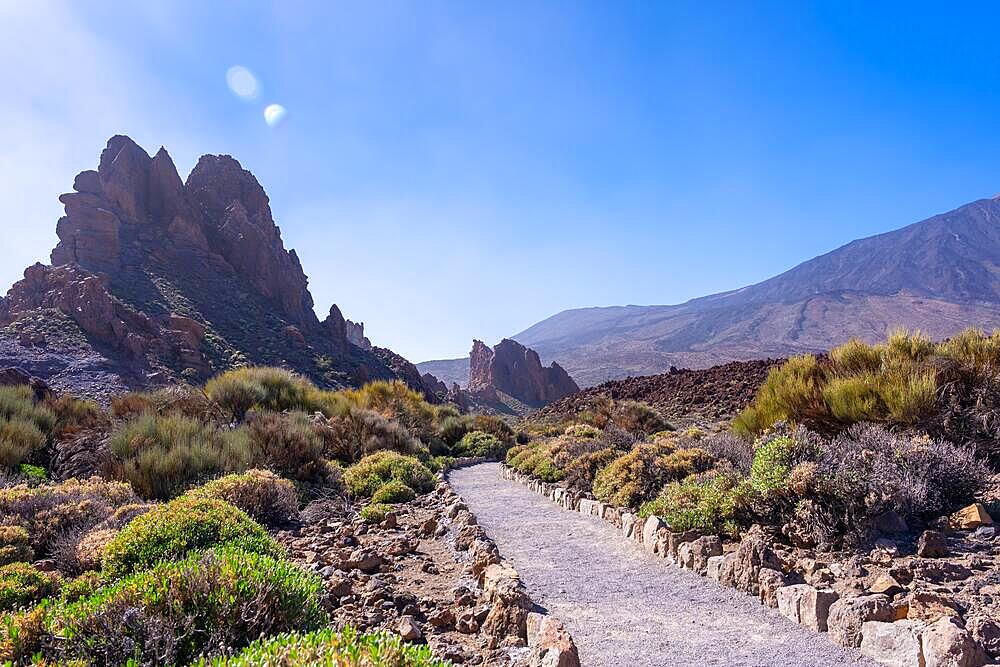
(465, 169)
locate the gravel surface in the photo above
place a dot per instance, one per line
(622, 606)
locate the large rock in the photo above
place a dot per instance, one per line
(694, 555)
(755, 552)
(806, 605)
(848, 615)
(946, 643)
(513, 369)
(971, 517)
(550, 643)
(651, 529)
(893, 644)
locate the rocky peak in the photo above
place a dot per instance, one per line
(516, 370)
(167, 277)
(356, 335)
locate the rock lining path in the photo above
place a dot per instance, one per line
(623, 606)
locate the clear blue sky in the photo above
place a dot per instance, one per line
(465, 169)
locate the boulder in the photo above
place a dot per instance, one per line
(755, 552)
(932, 544)
(806, 605)
(893, 644)
(550, 643)
(714, 567)
(408, 629)
(769, 581)
(694, 555)
(986, 631)
(929, 606)
(946, 643)
(650, 531)
(971, 517)
(848, 615)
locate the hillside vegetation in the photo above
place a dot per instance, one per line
(138, 534)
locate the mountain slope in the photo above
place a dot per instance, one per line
(939, 275)
(155, 278)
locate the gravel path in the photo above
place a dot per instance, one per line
(622, 606)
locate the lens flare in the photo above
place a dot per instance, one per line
(274, 114)
(242, 82)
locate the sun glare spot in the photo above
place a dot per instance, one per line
(274, 114)
(242, 82)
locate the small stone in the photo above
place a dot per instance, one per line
(985, 533)
(441, 618)
(391, 520)
(408, 630)
(466, 623)
(338, 586)
(932, 544)
(886, 584)
(769, 582)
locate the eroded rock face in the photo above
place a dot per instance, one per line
(517, 371)
(168, 278)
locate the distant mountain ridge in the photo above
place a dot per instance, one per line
(939, 275)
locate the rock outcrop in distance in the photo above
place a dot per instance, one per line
(517, 371)
(156, 279)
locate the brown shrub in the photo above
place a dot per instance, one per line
(360, 432)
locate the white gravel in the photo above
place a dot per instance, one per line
(622, 606)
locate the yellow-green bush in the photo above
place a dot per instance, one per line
(710, 503)
(583, 431)
(792, 390)
(392, 492)
(366, 476)
(22, 584)
(263, 495)
(288, 443)
(478, 443)
(395, 400)
(15, 545)
(161, 456)
(171, 614)
(638, 476)
(170, 531)
(25, 426)
(374, 512)
(263, 388)
(327, 648)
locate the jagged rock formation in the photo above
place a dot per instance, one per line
(356, 335)
(517, 371)
(154, 278)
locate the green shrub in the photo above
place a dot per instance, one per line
(15, 545)
(772, 462)
(50, 512)
(19, 439)
(855, 357)
(974, 350)
(637, 418)
(853, 399)
(327, 648)
(638, 476)
(289, 444)
(580, 473)
(547, 471)
(392, 492)
(82, 586)
(791, 391)
(495, 426)
(479, 443)
(584, 431)
(453, 429)
(374, 512)
(358, 432)
(909, 394)
(171, 614)
(18, 403)
(170, 531)
(373, 471)
(394, 400)
(33, 474)
(260, 493)
(161, 456)
(22, 584)
(240, 390)
(711, 504)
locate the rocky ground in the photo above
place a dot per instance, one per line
(683, 396)
(429, 573)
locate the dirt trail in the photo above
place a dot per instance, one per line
(622, 606)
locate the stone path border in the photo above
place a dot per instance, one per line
(547, 640)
